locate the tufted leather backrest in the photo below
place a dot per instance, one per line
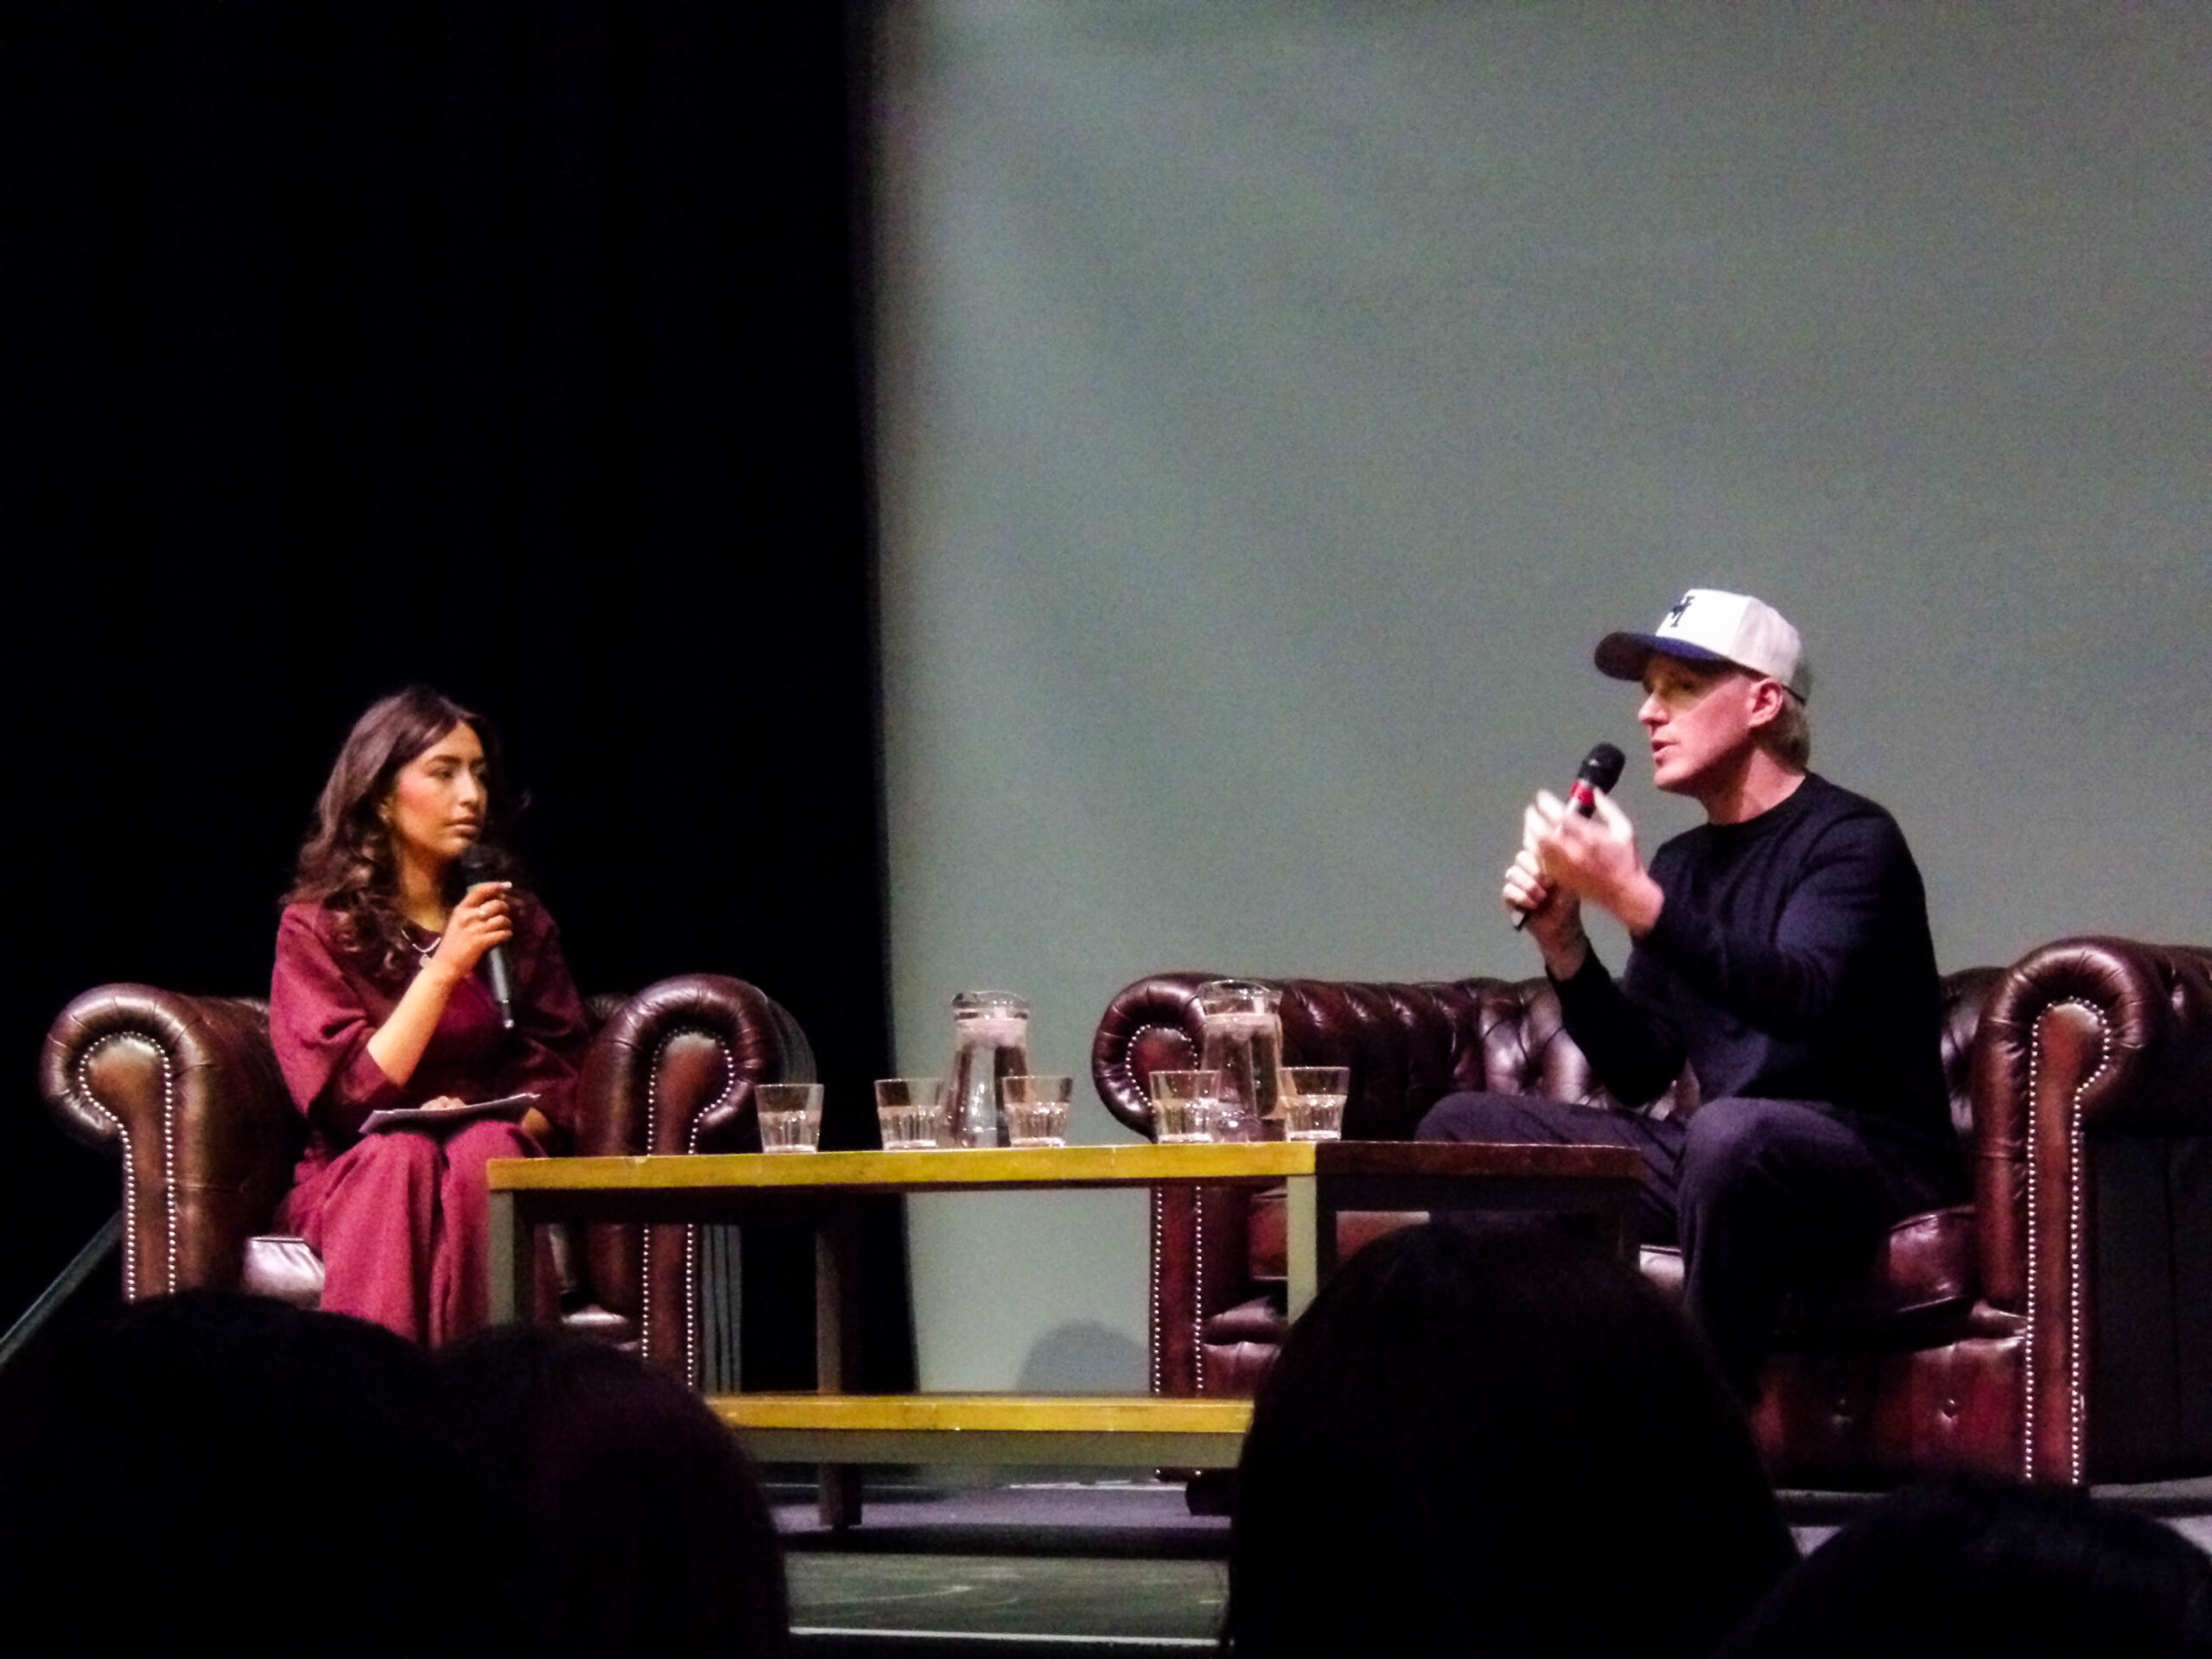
(1966, 994)
(1409, 1044)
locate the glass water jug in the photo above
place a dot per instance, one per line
(1243, 1040)
(990, 1038)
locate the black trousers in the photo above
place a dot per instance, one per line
(1764, 1197)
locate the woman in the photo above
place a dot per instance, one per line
(377, 1004)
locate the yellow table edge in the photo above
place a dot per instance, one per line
(949, 1413)
(907, 1171)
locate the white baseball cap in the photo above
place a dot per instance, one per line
(1706, 626)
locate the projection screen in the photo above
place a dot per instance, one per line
(1275, 402)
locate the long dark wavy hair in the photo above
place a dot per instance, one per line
(346, 865)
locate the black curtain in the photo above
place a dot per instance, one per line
(516, 349)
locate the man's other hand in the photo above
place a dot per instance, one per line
(1594, 859)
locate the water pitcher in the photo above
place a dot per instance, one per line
(1243, 1042)
(990, 1038)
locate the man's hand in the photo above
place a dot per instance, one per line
(1552, 916)
(1593, 859)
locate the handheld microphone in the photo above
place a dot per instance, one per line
(1600, 769)
(480, 863)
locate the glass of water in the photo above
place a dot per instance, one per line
(1184, 1106)
(790, 1113)
(1036, 1109)
(1312, 1099)
(911, 1113)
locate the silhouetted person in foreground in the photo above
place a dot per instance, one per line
(1977, 1567)
(233, 1473)
(1495, 1444)
(645, 1530)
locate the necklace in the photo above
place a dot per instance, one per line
(423, 951)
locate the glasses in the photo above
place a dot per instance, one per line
(1036, 1109)
(791, 1115)
(1313, 1102)
(1184, 1106)
(911, 1113)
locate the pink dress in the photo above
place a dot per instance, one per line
(400, 1219)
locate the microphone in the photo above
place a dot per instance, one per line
(477, 863)
(1600, 769)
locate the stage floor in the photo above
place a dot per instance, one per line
(1074, 1568)
(1069, 1568)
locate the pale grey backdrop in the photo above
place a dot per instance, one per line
(1276, 401)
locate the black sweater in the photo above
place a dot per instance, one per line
(1792, 961)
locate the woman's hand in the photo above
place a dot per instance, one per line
(478, 922)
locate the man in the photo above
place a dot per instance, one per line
(1781, 950)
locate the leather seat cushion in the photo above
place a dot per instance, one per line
(282, 1266)
(287, 1267)
(1928, 1264)
(1927, 1261)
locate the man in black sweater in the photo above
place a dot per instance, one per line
(1781, 950)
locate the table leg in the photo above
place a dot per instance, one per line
(837, 1343)
(514, 1261)
(1302, 1242)
(1621, 1214)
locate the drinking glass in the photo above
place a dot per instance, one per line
(1183, 1105)
(1036, 1109)
(1312, 1099)
(791, 1115)
(911, 1113)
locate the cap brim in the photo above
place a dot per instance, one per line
(1622, 656)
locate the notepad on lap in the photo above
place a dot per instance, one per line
(509, 1107)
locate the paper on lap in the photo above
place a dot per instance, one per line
(509, 1107)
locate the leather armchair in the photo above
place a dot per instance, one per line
(2057, 1328)
(186, 1093)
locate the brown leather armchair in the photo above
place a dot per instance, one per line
(2057, 1328)
(185, 1090)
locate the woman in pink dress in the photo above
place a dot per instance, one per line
(378, 1002)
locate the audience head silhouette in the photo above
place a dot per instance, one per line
(1477, 1443)
(234, 1470)
(644, 1528)
(1978, 1568)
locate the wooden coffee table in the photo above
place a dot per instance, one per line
(841, 1430)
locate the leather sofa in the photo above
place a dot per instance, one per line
(2057, 1328)
(185, 1091)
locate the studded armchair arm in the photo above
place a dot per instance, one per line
(185, 1091)
(2092, 1079)
(672, 1071)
